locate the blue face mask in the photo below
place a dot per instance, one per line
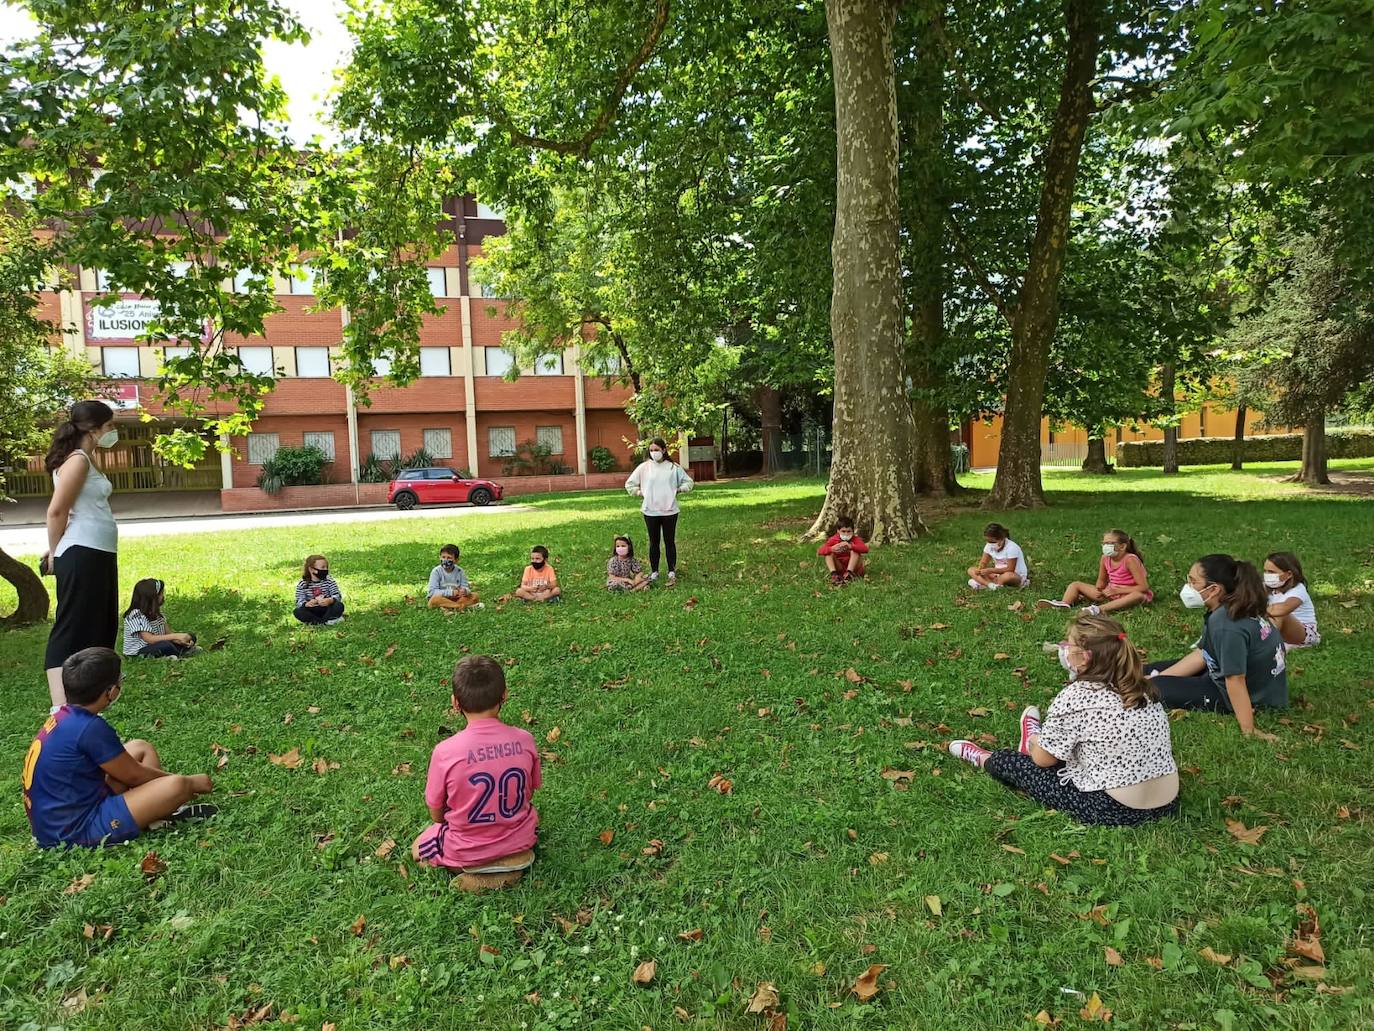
(447, 563)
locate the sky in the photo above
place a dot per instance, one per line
(306, 72)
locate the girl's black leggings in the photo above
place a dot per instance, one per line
(667, 526)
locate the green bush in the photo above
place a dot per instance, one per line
(602, 459)
(532, 459)
(418, 459)
(293, 467)
(377, 470)
(1276, 447)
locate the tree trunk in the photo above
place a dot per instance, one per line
(770, 418)
(33, 596)
(1033, 320)
(1313, 469)
(871, 474)
(923, 209)
(1096, 460)
(1238, 451)
(1166, 387)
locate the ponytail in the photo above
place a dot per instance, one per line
(1112, 660)
(1122, 537)
(85, 417)
(1245, 594)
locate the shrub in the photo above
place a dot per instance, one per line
(377, 470)
(417, 459)
(530, 459)
(602, 459)
(293, 467)
(1276, 447)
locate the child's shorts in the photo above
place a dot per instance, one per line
(435, 850)
(109, 822)
(1309, 637)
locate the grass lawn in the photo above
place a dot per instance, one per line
(850, 837)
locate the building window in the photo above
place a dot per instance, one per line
(549, 365)
(551, 437)
(180, 269)
(499, 361)
(312, 362)
(487, 290)
(434, 361)
(611, 364)
(119, 361)
(103, 283)
(168, 353)
(485, 212)
(301, 280)
(439, 443)
(243, 280)
(437, 286)
(381, 366)
(257, 360)
(261, 447)
(500, 441)
(322, 439)
(386, 443)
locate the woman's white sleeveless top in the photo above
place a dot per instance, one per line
(91, 524)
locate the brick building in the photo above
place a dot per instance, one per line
(461, 409)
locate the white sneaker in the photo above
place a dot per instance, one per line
(480, 605)
(977, 585)
(672, 577)
(331, 622)
(994, 587)
(1050, 603)
(653, 576)
(1093, 610)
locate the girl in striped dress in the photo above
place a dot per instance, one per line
(318, 598)
(146, 633)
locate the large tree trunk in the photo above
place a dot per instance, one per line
(1238, 450)
(1313, 469)
(922, 141)
(1166, 387)
(770, 419)
(871, 474)
(1037, 307)
(33, 596)
(1096, 459)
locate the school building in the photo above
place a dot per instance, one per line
(461, 410)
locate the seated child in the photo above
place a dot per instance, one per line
(479, 787)
(844, 552)
(81, 785)
(1104, 754)
(539, 582)
(448, 584)
(1290, 604)
(318, 598)
(624, 572)
(146, 632)
(1002, 564)
(1121, 579)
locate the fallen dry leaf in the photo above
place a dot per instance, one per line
(358, 925)
(644, 973)
(765, 997)
(606, 837)
(653, 848)
(401, 770)
(979, 711)
(878, 858)
(1113, 957)
(720, 784)
(391, 650)
(80, 884)
(938, 626)
(1309, 973)
(1212, 956)
(934, 905)
(853, 676)
(291, 760)
(694, 935)
(1307, 937)
(223, 761)
(103, 931)
(553, 735)
(818, 969)
(385, 848)
(396, 962)
(490, 950)
(1043, 1018)
(152, 866)
(1094, 1010)
(1014, 849)
(865, 986)
(690, 603)
(1000, 656)
(1245, 835)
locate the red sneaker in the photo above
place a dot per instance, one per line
(1030, 727)
(969, 752)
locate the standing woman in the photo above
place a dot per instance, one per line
(659, 482)
(82, 541)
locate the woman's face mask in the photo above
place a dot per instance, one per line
(109, 438)
(1191, 597)
(656, 455)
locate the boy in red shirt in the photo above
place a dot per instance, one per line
(844, 552)
(479, 787)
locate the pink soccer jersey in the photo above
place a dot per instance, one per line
(482, 778)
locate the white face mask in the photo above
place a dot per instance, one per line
(846, 536)
(109, 438)
(1109, 550)
(657, 456)
(1191, 597)
(1064, 659)
(1273, 580)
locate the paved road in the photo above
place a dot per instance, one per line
(20, 540)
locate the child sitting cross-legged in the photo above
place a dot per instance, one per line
(539, 582)
(1103, 755)
(448, 584)
(82, 785)
(146, 632)
(479, 787)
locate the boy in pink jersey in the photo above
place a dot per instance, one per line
(479, 787)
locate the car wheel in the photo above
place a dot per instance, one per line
(405, 500)
(481, 496)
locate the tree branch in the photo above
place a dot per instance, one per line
(979, 276)
(583, 144)
(1131, 90)
(946, 44)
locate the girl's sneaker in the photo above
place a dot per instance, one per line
(1050, 603)
(1030, 727)
(836, 579)
(1093, 610)
(653, 577)
(333, 622)
(672, 577)
(969, 752)
(975, 584)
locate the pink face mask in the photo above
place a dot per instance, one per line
(622, 551)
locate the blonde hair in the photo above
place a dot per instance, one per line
(1112, 659)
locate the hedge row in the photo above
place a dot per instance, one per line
(1278, 447)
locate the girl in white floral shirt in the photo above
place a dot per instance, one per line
(1103, 754)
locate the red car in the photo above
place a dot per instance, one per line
(438, 486)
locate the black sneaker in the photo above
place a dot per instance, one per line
(190, 811)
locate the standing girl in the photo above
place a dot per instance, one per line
(624, 572)
(146, 632)
(83, 541)
(659, 482)
(1103, 755)
(1290, 604)
(318, 598)
(1121, 579)
(1002, 564)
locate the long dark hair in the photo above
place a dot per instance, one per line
(628, 543)
(996, 531)
(1288, 562)
(1122, 537)
(663, 444)
(1112, 659)
(147, 598)
(1245, 593)
(84, 417)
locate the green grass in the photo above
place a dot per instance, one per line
(815, 867)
